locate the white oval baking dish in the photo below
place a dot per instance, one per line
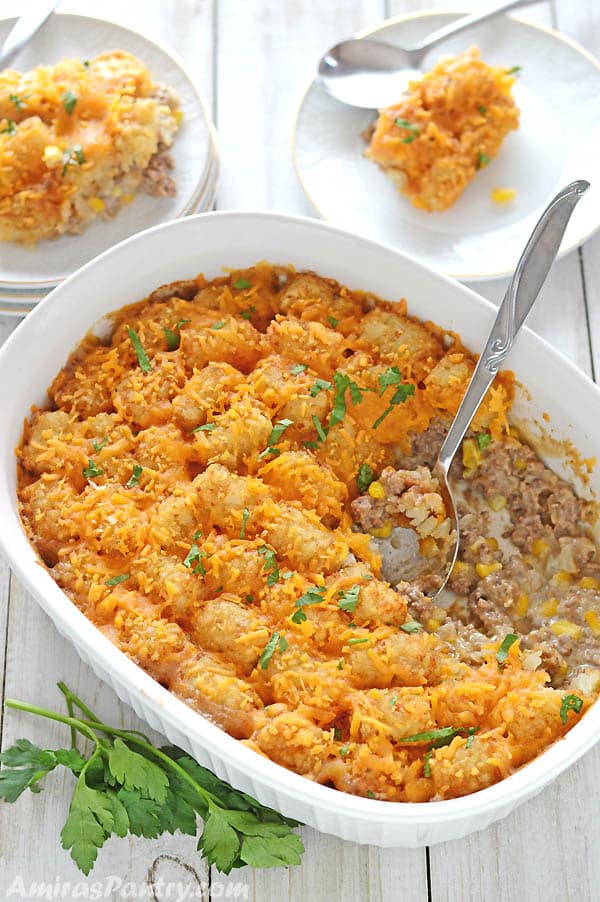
(205, 243)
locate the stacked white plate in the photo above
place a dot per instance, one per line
(27, 274)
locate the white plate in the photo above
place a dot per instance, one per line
(558, 93)
(35, 352)
(194, 148)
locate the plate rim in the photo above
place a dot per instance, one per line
(372, 30)
(194, 199)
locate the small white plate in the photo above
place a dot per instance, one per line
(194, 151)
(558, 93)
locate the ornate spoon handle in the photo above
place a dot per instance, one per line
(529, 276)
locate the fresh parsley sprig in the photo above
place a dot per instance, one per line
(127, 785)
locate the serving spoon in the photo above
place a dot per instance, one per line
(369, 74)
(24, 29)
(524, 287)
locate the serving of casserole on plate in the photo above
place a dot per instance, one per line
(182, 467)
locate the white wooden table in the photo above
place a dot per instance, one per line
(252, 58)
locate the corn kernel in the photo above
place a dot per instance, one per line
(566, 628)
(588, 582)
(549, 607)
(540, 548)
(382, 532)
(503, 195)
(492, 543)
(471, 455)
(484, 570)
(178, 116)
(498, 502)
(562, 577)
(522, 605)
(52, 156)
(432, 625)
(593, 621)
(97, 204)
(460, 568)
(520, 464)
(376, 490)
(428, 547)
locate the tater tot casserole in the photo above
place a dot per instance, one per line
(447, 127)
(212, 484)
(78, 140)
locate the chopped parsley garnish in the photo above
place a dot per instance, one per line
(319, 385)
(86, 63)
(392, 377)
(343, 383)
(276, 642)
(69, 102)
(134, 479)
(358, 640)
(115, 580)
(505, 645)
(411, 626)
(208, 427)
(426, 763)
(298, 368)
(197, 535)
(9, 129)
(393, 701)
(247, 313)
(349, 599)
(249, 598)
(270, 564)
(216, 326)
(276, 433)
(321, 433)
(332, 321)
(99, 445)
(245, 518)
(482, 110)
(441, 737)
(313, 595)
(140, 353)
(337, 734)
(570, 703)
(172, 335)
(241, 284)
(514, 70)
(410, 127)
(344, 750)
(193, 559)
(483, 439)
(471, 737)
(482, 160)
(340, 663)
(364, 477)
(371, 794)
(19, 102)
(92, 470)
(72, 156)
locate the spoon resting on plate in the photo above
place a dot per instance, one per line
(371, 75)
(424, 499)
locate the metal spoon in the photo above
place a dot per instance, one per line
(371, 75)
(24, 29)
(529, 276)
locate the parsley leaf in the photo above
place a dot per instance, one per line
(216, 326)
(426, 763)
(410, 127)
(247, 313)
(319, 385)
(241, 284)
(245, 517)
(92, 470)
(482, 160)
(298, 368)
(332, 321)
(99, 445)
(483, 439)
(404, 390)
(9, 129)
(270, 564)
(116, 580)
(193, 559)
(88, 824)
(570, 703)
(364, 477)
(69, 102)
(313, 595)
(505, 645)
(276, 433)
(514, 70)
(140, 353)
(208, 427)
(411, 626)
(19, 102)
(342, 383)
(358, 640)
(134, 479)
(392, 376)
(349, 599)
(482, 110)
(72, 156)
(277, 642)
(321, 433)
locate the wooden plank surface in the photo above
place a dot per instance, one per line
(253, 59)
